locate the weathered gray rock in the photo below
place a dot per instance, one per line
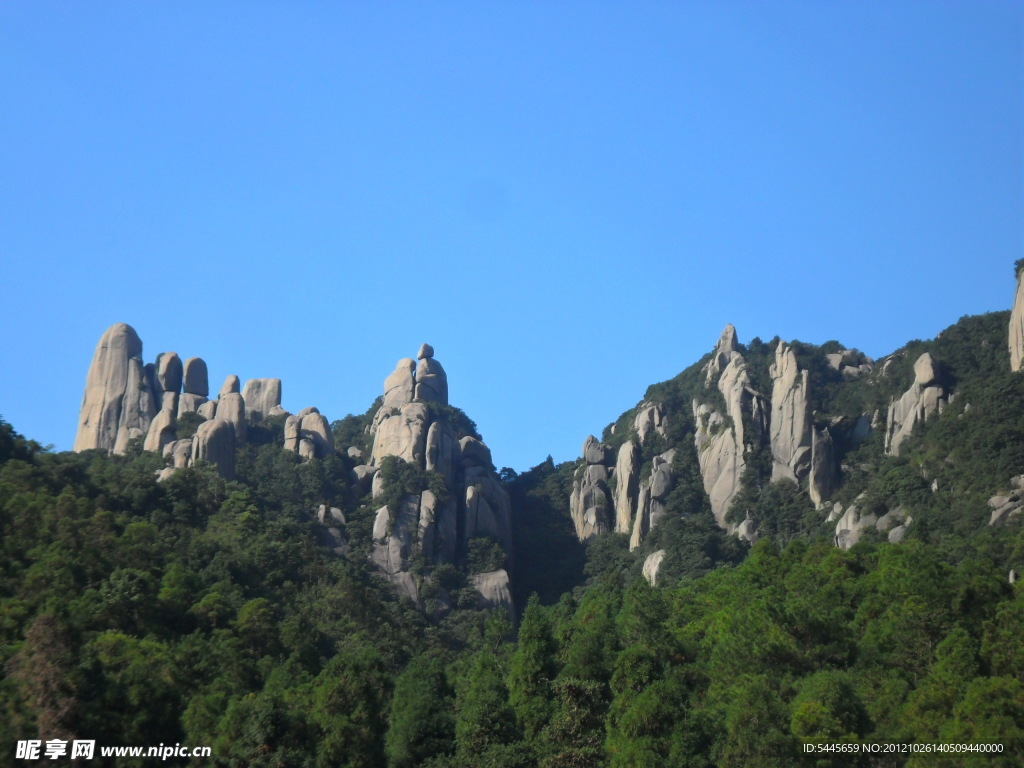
(652, 565)
(1017, 325)
(488, 510)
(494, 590)
(179, 451)
(720, 457)
(590, 503)
(474, 453)
(112, 389)
(354, 453)
(627, 488)
(231, 408)
(1007, 506)
(137, 409)
(650, 418)
(823, 478)
(393, 543)
(444, 453)
(362, 476)
(190, 403)
(307, 449)
(724, 350)
(261, 396)
(195, 377)
(402, 434)
(651, 499)
(230, 386)
(431, 382)
(314, 427)
(168, 401)
(426, 351)
(208, 410)
(593, 451)
(791, 417)
(400, 385)
(851, 525)
(925, 398)
(214, 442)
(168, 372)
(161, 431)
(292, 429)
(277, 410)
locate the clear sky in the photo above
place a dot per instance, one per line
(569, 200)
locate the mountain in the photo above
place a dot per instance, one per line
(785, 547)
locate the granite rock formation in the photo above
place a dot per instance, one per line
(412, 427)
(590, 504)
(1017, 324)
(926, 397)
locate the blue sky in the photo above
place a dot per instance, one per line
(569, 200)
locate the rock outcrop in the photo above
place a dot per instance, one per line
(1017, 325)
(1007, 506)
(433, 530)
(721, 439)
(791, 423)
(261, 397)
(627, 486)
(118, 403)
(214, 442)
(590, 504)
(925, 398)
(652, 565)
(651, 501)
(125, 399)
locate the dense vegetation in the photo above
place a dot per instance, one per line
(213, 613)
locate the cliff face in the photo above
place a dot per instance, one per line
(1017, 324)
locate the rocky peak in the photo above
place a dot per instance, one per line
(409, 426)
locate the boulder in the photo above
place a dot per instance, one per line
(190, 403)
(307, 449)
(314, 427)
(474, 453)
(208, 410)
(652, 565)
(292, 428)
(590, 502)
(195, 379)
(362, 476)
(593, 451)
(400, 385)
(231, 408)
(431, 382)
(650, 418)
(402, 434)
(426, 351)
(494, 590)
(161, 431)
(230, 386)
(261, 396)
(214, 442)
(168, 372)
